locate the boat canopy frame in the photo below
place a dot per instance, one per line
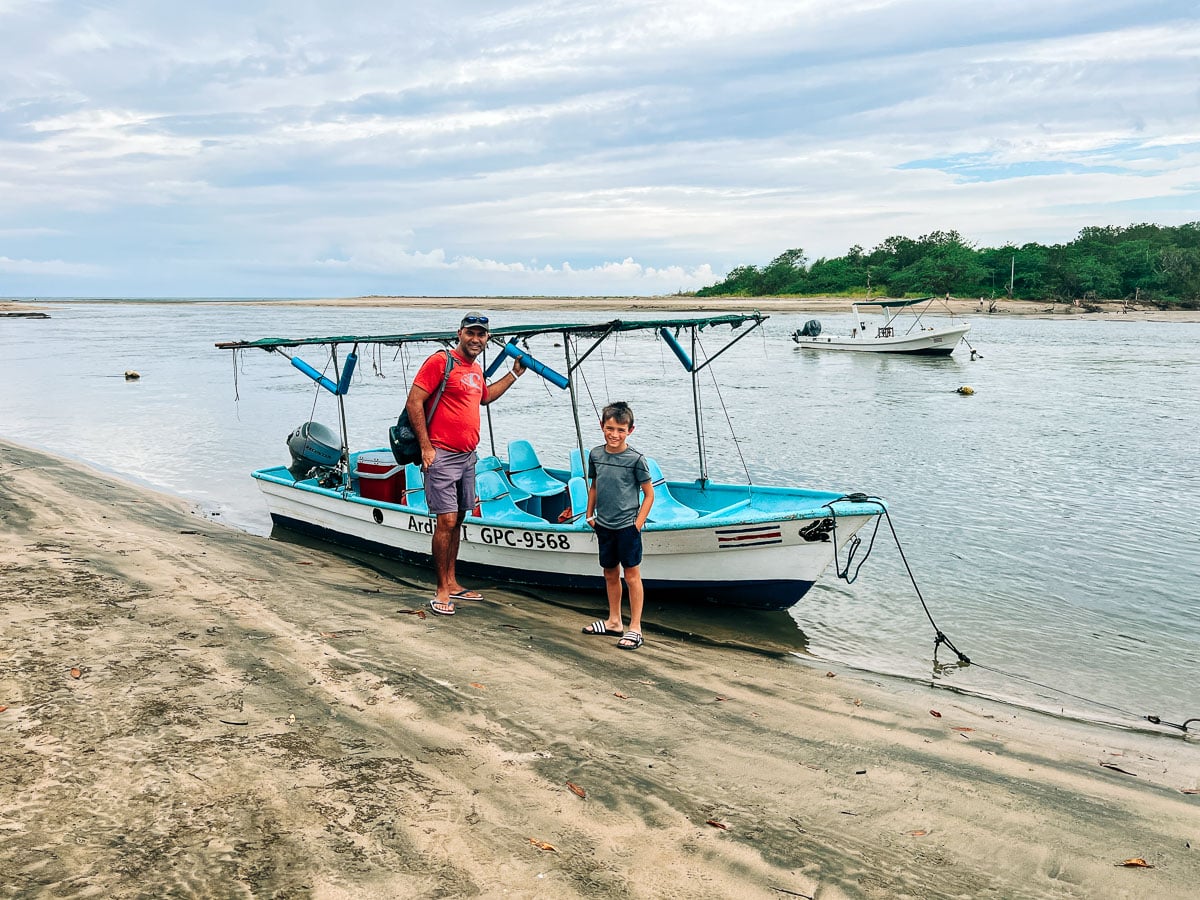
(893, 308)
(601, 331)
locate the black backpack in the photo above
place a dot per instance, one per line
(405, 446)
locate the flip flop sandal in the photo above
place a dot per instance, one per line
(466, 594)
(597, 627)
(631, 640)
(442, 607)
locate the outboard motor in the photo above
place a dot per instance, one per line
(314, 445)
(811, 328)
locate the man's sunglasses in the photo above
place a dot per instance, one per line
(474, 320)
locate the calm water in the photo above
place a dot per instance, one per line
(1050, 519)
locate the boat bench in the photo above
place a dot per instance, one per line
(725, 510)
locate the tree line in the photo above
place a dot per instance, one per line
(1153, 264)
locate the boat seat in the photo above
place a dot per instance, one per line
(414, 488)
(577, 494)
(577, 468)
(493, 464)
(525, 471)
(496, 503)
(726, 510)
(666, 508)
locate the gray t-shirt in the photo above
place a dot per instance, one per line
(618, 478)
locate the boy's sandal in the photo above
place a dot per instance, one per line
(630, 641)
(442, 607)
(597, 627)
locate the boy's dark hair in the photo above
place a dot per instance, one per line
(619, 412)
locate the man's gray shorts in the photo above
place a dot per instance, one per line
(450, 482)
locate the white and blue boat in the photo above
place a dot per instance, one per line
(914, 334)
(737, 545)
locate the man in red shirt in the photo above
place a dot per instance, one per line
(448, 443)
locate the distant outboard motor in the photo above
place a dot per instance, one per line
(313, 445)
(812, 328)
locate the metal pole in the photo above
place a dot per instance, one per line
(341, 401)
(574, 406)
(696, 411)
(488, 408)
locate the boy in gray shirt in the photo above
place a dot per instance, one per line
(619, 499)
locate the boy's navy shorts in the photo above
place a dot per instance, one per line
(621, 546)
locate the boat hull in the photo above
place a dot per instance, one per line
(758, 560)
(936, 342)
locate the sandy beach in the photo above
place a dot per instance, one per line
(188, 710)
(678, 304)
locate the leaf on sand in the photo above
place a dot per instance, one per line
(1117, 769)
(419, 613)
(476, 684)
(935, 713)
(961, 728)
(857, 701)
(830, 675)
(542, 845)
(720, 699)
(1183, 791)
(3, 708)
(715, 824)
(577, 790)
(1136, 863)
(76, 673)
(918, 833)
(619, 694)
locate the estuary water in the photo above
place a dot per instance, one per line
(1050, 519)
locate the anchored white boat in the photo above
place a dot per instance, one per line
(739, 545)
(911, 333)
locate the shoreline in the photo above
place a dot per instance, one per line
(193, 709)
(1043, 309)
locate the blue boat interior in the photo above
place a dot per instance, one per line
(522, 491)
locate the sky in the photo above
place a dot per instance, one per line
(623, 147)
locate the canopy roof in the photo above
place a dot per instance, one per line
(733, 320)
(892, 304)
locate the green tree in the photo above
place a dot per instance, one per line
(785, 274)
(1105, 262)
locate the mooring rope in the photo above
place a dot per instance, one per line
(940, 636)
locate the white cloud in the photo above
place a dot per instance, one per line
(47, 267)
(606, 277)
(221, 149)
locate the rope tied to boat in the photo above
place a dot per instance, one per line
(940, 637)
(854, 543)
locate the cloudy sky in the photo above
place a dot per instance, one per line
(619, 147)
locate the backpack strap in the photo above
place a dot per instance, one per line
(437, 398)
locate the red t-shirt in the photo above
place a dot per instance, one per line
(455, 424)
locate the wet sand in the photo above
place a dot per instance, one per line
(187, 710)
